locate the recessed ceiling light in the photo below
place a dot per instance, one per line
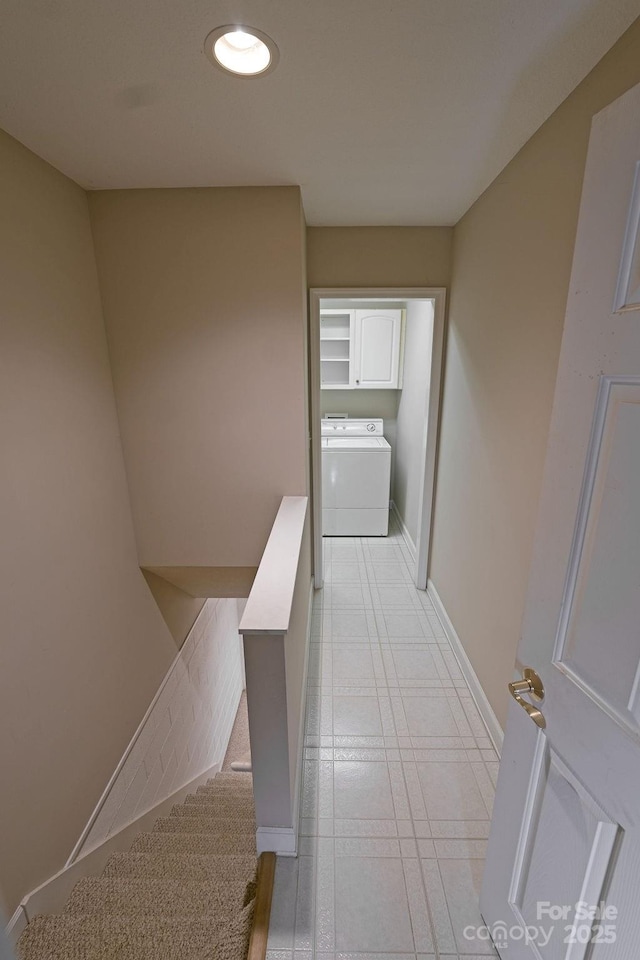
(242, 50)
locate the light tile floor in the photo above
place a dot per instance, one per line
(398, 776)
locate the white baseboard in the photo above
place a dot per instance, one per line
(16, 926)
(411, 547)
(51, 896)
(486, 711)
(280, 840)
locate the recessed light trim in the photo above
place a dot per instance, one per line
(241, 50)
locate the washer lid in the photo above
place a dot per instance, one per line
(353, 427)
(355, 443)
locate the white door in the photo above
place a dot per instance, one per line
(566, 825)
(377, 349)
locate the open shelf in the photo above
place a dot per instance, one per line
(335, 350)
(335, 325)
(336, 337)
(334, 372)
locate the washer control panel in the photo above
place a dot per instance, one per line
(353, 427)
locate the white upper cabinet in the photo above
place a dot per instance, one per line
(360, 349)
(377, 349)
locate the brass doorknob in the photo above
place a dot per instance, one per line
(531, 684)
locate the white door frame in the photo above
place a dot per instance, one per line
(438, 296)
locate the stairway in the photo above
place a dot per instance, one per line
(185, 891)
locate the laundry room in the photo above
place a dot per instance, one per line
(375, 362)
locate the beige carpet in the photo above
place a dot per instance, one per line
(185, 891)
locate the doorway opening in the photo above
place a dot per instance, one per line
(376, 357)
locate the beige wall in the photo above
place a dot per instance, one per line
(84, 647)
(177, 607)
(379, 256)
(361, 403)
(512, 260)
(203, 294)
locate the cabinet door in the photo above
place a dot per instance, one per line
(377, 349)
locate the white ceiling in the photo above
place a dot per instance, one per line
(384, 111)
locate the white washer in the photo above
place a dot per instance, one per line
(356, 475)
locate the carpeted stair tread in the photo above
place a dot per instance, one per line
(221, 809)
(237, 786)
(163, 844)
(233, 942)
(160, 898)
(230, 777)
(223, 800)
(220, 825)
(69, 937)
(183, 866)
(209, 795)
(224, 789)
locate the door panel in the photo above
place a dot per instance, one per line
(566, 821)
(376, 348)
(564, 855)
(354, 478)
(598, 604)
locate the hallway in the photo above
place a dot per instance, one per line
(398, 777)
